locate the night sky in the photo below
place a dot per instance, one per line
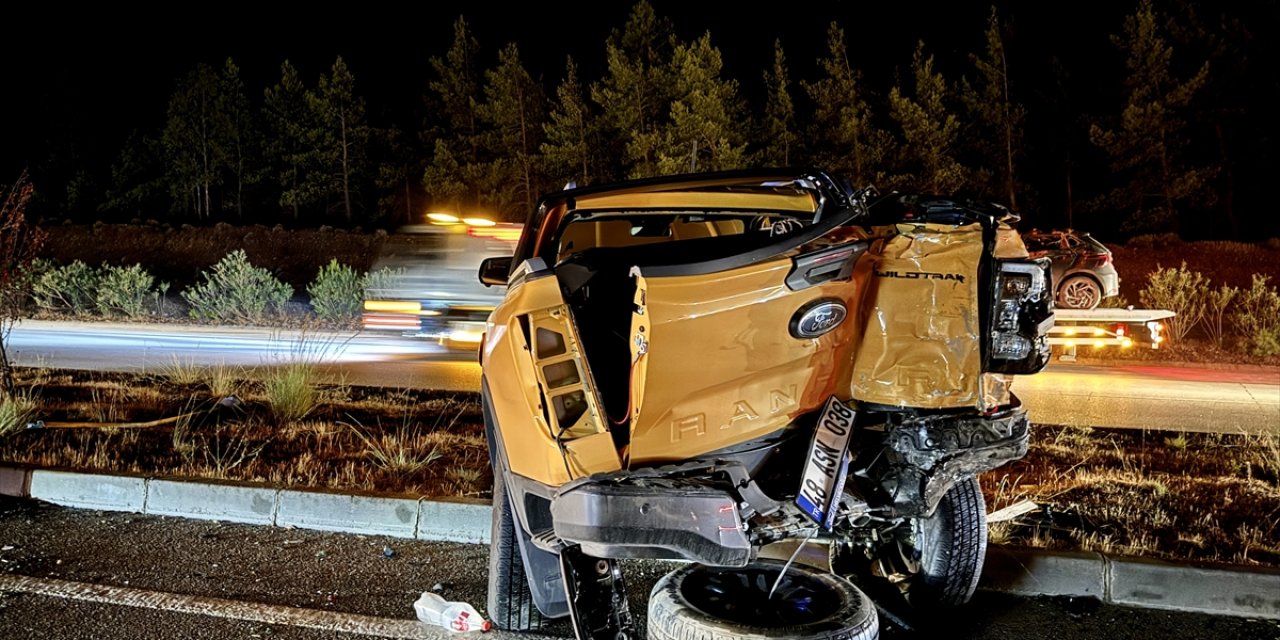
(99, 72)
(78, 81)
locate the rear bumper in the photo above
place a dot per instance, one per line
(611, 520)
(1110, 283)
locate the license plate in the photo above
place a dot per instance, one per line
(827, 464)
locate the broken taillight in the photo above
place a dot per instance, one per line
(1020, 317)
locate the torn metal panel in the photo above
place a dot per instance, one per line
(921, 345)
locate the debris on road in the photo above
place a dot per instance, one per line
(453, 616)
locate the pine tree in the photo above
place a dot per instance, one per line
(398, 175)
(515, 110)
(779, 112)
(705, 132)
(1146, 149)
(340, 139)
(457, 88)
(1222, 113)
(846, 139)
(458, 138)
(569, 151)
(930, 131)
(444, 179)
(288, 125)
(635, 94)
(238, 138)
(993, 131)
(190, 141)
(137, 178)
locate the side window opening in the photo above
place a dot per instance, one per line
(604, 231)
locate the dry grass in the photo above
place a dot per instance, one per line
(179, 371)
(291, 391)
(224, 447)
(223, 380)
(1213, 497)
(411, 442)
(16, 411)
(1172, 495)
(401, 453)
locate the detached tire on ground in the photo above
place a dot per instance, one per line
(510, 600)
(709, 603)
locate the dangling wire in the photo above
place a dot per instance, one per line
(812, 532)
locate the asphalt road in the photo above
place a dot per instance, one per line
(160, 561)
(1126, 396)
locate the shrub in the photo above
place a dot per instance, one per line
(236, 291)
(1180, 291)
(337, 291)
(1257, 318)
(39, 267)
(382, 283)
(67, 288)
(126, 291)
(1216, 304)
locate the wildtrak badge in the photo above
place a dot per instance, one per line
(920, 275)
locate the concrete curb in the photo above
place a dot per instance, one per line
(400, 517)
(1253, 593)
(1139, 582)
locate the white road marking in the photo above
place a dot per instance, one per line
(216, 607)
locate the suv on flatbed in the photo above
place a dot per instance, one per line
(1083, 273)
(695, 367)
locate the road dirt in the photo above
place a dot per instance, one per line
(353, 574)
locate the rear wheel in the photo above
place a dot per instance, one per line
(710, 603)
(510, 599)
(1079, 292)
(935, 561)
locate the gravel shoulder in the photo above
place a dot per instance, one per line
(351, 573)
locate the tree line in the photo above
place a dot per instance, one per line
(306, 151)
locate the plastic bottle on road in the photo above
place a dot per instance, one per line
(454, 616)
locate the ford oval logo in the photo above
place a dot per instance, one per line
(817, 318)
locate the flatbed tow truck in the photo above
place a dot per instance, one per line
(1103, 328)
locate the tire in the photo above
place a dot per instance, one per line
(938, 565)
(689, 603)
(510, 600)
(1079, 292)
(951, 545)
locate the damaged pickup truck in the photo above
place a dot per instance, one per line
(695, 367)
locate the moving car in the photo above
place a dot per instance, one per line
(695, 367)
(1083, 273)
(424, 282)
